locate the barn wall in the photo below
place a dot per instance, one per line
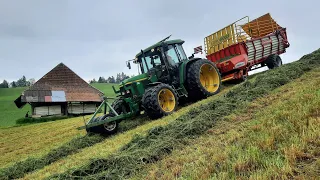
(47, 109)
(70, 108)
(82, 108)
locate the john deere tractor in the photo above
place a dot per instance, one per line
(165, 76)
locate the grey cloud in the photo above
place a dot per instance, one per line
(94, 38)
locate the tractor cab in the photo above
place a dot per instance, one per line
(162, 60)
(166, 54)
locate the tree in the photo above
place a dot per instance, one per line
(111, 79)
(4, 84)
(101, 80)
(32, 81)
(22, 82)
(13, 84)
(93, 81)
(118, 78)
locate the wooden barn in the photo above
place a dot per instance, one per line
(60, 92)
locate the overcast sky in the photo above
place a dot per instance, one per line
(94, 38)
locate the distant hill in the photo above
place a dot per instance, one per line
(10, 113)
(106, 88)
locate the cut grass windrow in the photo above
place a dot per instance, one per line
(76, 145)
(20, 168)
(110, 145)
(161, 141)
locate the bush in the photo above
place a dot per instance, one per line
(30, 120)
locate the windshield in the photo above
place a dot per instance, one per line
(174, 55)
(146, 64)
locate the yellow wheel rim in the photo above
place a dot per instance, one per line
(209, 78)
(166, 100)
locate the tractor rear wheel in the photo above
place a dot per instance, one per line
(159, 101)
(104, 129)
(203, 79)
(274, 61)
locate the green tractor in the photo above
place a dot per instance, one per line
(166, 75)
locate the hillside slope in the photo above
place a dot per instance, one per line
(163, 140)
(275, 137)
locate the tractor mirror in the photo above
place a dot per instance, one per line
(129, 65)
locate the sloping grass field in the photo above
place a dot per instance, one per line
(10, 113)
(274, 137)
(264, 128)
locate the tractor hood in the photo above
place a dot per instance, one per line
(137, 78)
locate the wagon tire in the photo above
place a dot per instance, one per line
(273, 61)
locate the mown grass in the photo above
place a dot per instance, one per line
(275, 137)
(38, 147)
(30, 120)
(20, 168)
(162, 140)
(112, 144)
(19, 143)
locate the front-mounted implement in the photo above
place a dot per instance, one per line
(166, 76)
(107, 123)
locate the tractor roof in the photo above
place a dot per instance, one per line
(175, 41)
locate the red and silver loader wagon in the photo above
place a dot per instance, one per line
(246, 45)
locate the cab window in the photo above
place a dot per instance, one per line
(181, 52)
(172, 55)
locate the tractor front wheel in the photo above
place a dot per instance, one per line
(159, 101)
(104, 129)
(203, 79)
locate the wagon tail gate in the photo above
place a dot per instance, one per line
(261, 26)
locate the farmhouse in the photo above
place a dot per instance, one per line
(60, 92)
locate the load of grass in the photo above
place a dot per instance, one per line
(161, 141)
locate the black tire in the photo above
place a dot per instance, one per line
(273, 61)
(104, 129)
(152, 104)
(120, 106)
(194, 86)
